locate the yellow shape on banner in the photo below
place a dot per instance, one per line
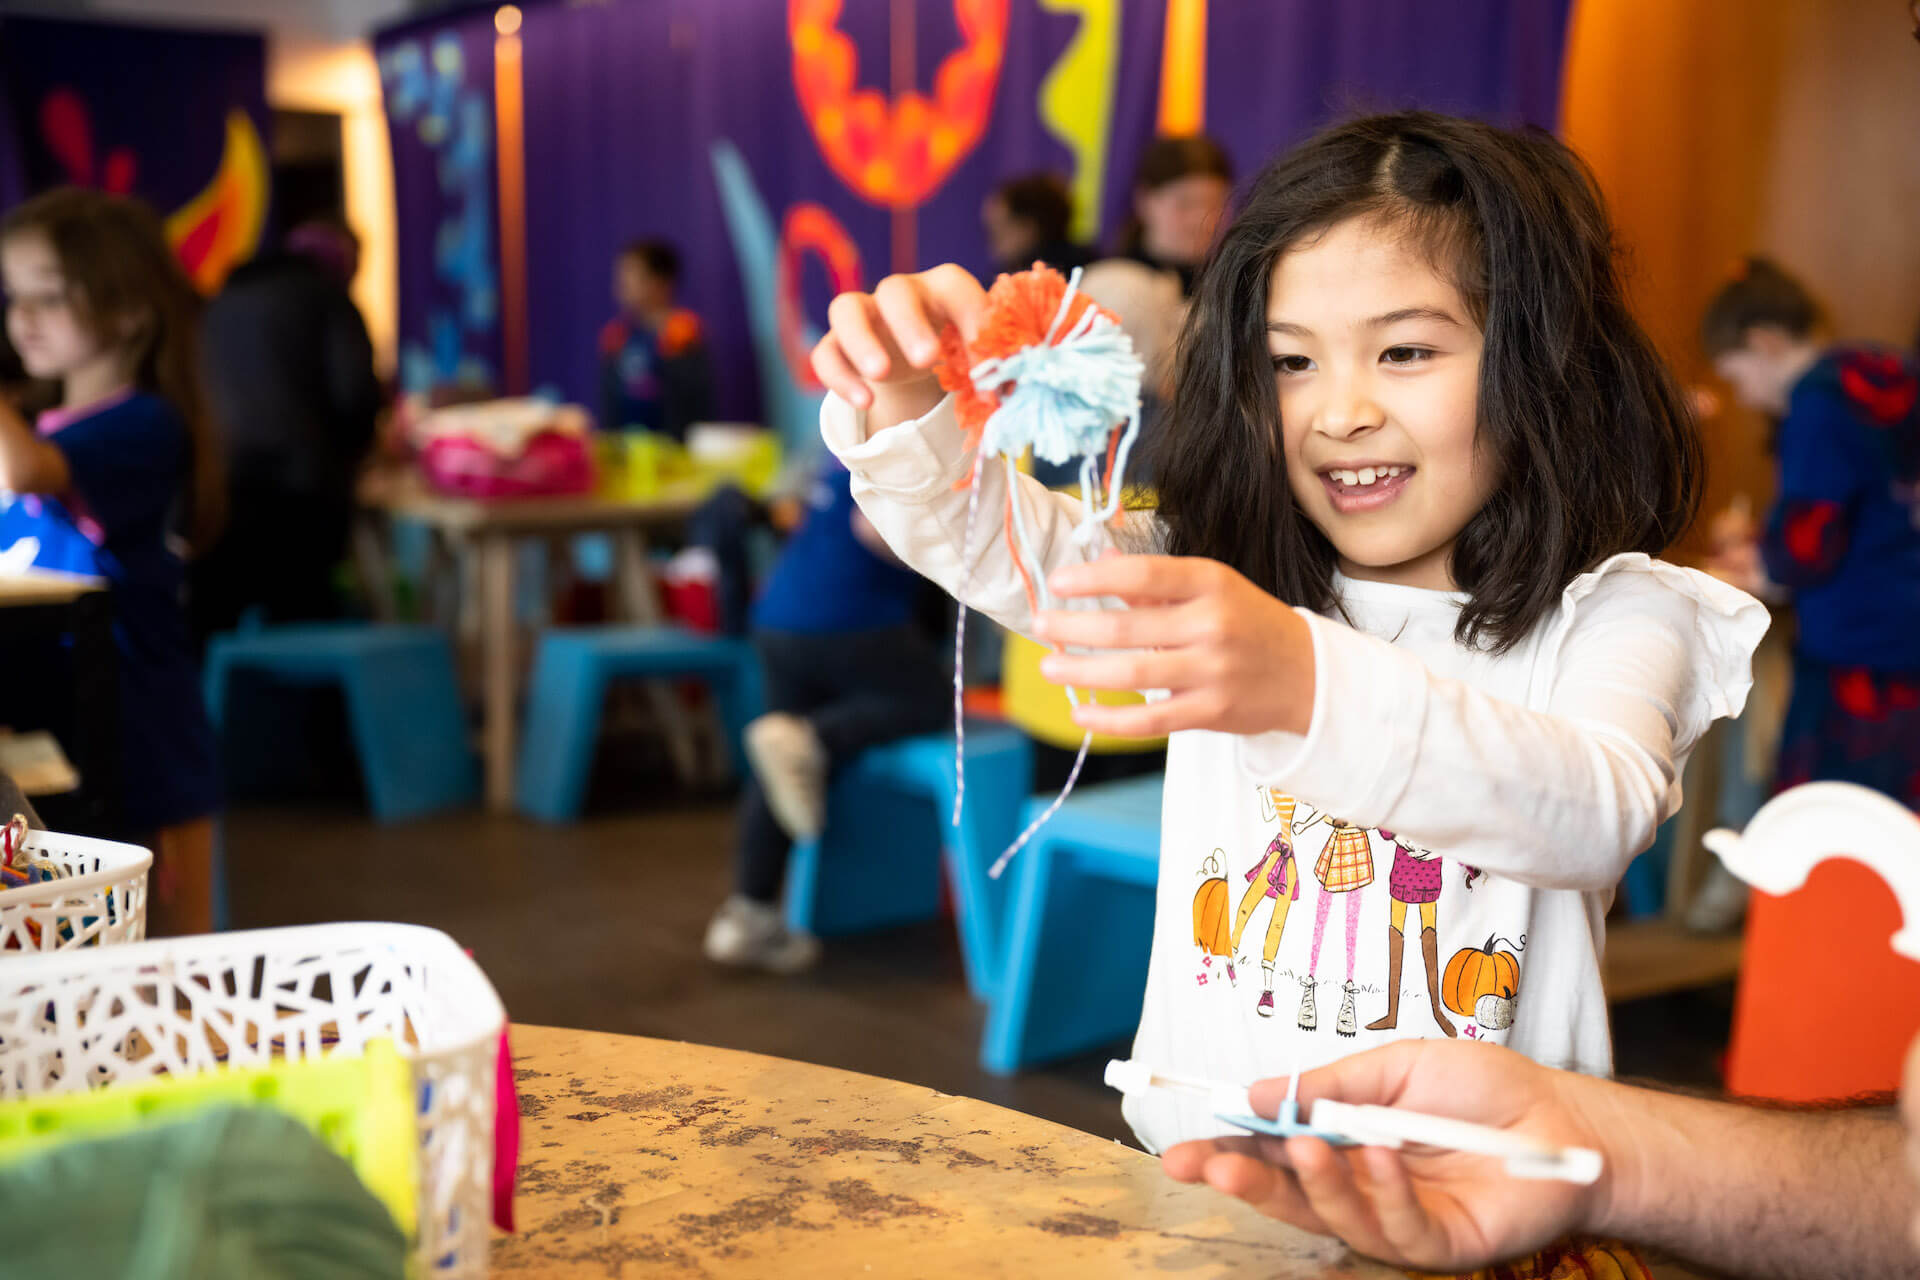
(1183, 69)
(219, 229)
(1076, 102)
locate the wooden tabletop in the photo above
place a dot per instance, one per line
(46, 586)
(400, 491)
(654, 1158)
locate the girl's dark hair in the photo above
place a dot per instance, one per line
(127, 286)
(1760, 295)
(1596, 450)
(1168, 160)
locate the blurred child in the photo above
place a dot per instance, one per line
(1844, 532)
(846, 669)
(654, 373)
(1029, 219)
(97, 304)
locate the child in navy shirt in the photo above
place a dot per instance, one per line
(846, 669)
(1844, 532)
(97, 304)
(654, 372)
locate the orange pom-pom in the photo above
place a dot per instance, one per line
(1021, 309)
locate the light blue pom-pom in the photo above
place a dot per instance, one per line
(1067, 396)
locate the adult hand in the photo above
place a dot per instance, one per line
(880, 349)
(1233, 658)
(1437, 1210)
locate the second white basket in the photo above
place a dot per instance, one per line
(102, 899)
(178, 1006)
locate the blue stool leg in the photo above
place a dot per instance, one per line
(563, 726)
(877, 865)
(997, 782)
(411, 731)
(213, 684)
(1002, 1042)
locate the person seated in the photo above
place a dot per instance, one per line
(654, 371)
(1028, 220)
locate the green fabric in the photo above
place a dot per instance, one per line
(234, 1194)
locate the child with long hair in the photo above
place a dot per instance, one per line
(1420, 464)
(97, 304)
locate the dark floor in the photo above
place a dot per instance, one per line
(598, 925)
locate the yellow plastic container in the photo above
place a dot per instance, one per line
(359, 1105)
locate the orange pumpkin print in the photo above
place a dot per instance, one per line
(1212, 924)
(1479, 971)
(895, 153)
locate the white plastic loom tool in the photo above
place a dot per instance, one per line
(1808, 824)
(1347, 1125)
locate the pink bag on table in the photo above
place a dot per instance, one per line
(506, 449)
(552, 463)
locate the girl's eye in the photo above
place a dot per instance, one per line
(1291, 364)
(1405, 355)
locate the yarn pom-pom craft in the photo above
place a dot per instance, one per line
(1050, 371)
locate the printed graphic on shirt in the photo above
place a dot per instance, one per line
(1483, 983)
(1414, 881)
(1212, 930)
(1275, 878)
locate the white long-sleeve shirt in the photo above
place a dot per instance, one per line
(1533, 776)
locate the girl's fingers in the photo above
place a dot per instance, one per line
(903, 304)
(837, 374)
(854, 322)
(1174, 669)
(1197, 710)
(1138, 577)
(1136, 628)
(1272, 1190)
(954, 297)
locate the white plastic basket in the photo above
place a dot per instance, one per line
(179, 1006)
(102, 899)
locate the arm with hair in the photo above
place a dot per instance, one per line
(29, 464)
(1559, 798)
(904, 479)
(1769, 1194)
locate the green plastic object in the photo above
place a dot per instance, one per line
(360, 1106)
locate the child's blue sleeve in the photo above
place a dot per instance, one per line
(1825, 467)
(127, 461)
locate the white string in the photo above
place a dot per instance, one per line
(1073, 776)
(960, 642)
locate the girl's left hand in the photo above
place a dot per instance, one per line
(1233, 658)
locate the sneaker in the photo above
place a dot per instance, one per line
(1265, 1007)
(791, 765)
(1308, 1018)
(753, 935)
(1344, 1025)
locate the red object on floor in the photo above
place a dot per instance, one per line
(1825, 1009)
(984, 700)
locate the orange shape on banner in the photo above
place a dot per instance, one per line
(895, 153)
(809, 228)
(219, 229)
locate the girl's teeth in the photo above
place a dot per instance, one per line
(1346, 477)
(1366, 475)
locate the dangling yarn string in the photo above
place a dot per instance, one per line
(1064, 392)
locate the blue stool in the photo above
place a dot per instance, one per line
(570, 679)
(403, 704)
(889, 818)
(1081, 928)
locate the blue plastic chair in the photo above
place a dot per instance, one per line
(403, 704)
(1081, 928)
(570, 678)
(889, 814)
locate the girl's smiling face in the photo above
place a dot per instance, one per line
(1376, 361)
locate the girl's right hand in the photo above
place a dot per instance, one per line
(881, 347)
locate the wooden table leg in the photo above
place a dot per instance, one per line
(634, 580)
(498, 666)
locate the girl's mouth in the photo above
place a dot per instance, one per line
(1354, 490)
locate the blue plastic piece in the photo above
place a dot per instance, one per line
(403, 704)
(1286, 1125)
(1080, 928)
(878, 865)
(569, 687)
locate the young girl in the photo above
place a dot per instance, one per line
(1844, 532)
(97, 303)
(1413, 406)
